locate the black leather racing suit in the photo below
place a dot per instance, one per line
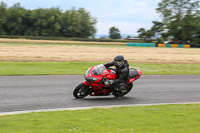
(122, 74)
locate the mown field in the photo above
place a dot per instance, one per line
(96, 53)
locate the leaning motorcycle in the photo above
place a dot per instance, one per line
(95, 78)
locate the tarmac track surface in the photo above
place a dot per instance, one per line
(20, 93)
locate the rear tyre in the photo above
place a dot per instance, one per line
(125, 90)
(81, 91)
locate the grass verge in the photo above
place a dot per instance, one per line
(79, 68)
(142, 119)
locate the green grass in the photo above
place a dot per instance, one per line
(79, 68)
(142, 119)
(168, 69)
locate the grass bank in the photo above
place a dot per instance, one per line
(142, 119)
(79, 68)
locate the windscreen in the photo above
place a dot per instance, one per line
(88, 71)
(99, 69)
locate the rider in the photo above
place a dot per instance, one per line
(122, 71)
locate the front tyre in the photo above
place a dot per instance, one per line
(125, 90)
(81, 91)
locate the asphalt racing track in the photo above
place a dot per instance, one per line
(20, 93)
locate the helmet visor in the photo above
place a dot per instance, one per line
(118, 63)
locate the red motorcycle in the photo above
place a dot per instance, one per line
(96, 76)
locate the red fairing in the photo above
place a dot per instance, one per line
(140, 72)
(97, 75)
(86, 83)
(97, 84)
(137, 77)
(110, 74)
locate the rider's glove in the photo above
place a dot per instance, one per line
(109, 82)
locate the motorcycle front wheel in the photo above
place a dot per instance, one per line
(81, 91)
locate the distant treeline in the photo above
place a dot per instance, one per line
(74, 39)
(19, 21)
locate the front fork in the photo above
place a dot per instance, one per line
(89, 85)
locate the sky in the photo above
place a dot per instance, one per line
(126, 15)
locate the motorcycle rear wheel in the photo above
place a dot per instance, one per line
(81, 91)
(128, 88)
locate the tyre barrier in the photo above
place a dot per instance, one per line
(142, 44)
(174, 45)
(159, 45)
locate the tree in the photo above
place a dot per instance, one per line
(180, 22)
(144, 34)
(180, 18)
(71, 23)
(78, 23)
(157, 29)
(128, 37)
(54, 22)
(15, 20)
(196, 37)
(87, 23)
(114, 33)
(2, 17)
(46, 22)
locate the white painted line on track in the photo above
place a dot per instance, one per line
(90, 107)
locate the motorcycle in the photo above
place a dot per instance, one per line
(95, 78)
